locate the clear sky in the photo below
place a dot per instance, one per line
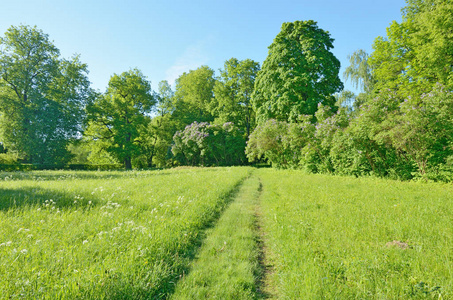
(166, 38)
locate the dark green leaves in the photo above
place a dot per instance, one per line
(299, 72)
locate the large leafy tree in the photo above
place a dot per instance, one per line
(233, 91)
(42, 96)
(117, 118)
(299, 72)
(417, 53)
(193, 96)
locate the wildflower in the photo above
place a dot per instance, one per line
(24, 251)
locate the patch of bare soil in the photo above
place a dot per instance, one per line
(398, 244)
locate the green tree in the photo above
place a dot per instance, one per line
(423, 128)
(417, 53)
(117, 118)
(233, 91)
(359, 71)
(299, 72)
(42, 97)
(193, 96)
(158, 135)
(165, 99)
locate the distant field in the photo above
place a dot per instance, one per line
(222, 233)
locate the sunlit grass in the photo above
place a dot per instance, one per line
(227, 266)
(135, 235)
(93, 235)
(333, 237)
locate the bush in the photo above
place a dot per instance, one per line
(209, 144)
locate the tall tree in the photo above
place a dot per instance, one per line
(158, 135)
(194, 94)
(417, 53)
(233, 91)
(42, 97)
(299, 72)
(117, 118)
(359, 71)
(165, 98)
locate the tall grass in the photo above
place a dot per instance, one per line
(96, 235)
(346, 238)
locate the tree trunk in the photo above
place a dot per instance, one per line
(128, 158)
(128, 163)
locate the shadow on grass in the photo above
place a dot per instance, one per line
(35, 196)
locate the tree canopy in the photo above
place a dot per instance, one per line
(42, 96)
(233, 91)
(291, 113)
(299, 72)
(116, 118)
(194, 94)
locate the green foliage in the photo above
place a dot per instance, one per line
(117, 118)
(399, 127)
(42, 97)
(280, 143)
(193, 96)
(359, 71)
(157, 137)
(233, 91)
(298, 73)
(416, 54)
(424, 128)
(165, 99)
(209, 144)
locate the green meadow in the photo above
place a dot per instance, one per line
(222, 233)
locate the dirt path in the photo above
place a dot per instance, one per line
(264, 285)
(232, 262)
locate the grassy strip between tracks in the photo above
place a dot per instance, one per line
(228, 265)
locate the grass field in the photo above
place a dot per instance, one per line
(222, 233)
(67, 235)
(346, 238)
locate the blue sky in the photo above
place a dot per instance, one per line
(166, 38)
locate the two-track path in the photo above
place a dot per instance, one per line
(232, 263)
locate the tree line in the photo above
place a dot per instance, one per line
(291, 112)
